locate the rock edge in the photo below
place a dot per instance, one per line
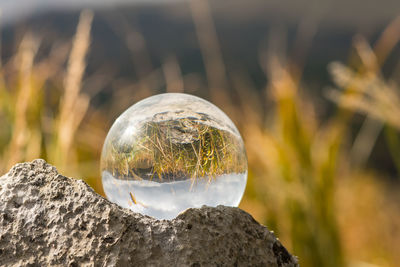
(48, 219)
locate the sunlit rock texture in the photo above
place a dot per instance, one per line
(47, 219)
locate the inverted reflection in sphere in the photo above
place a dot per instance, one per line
(170, 152)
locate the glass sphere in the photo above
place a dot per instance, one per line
(170, 152)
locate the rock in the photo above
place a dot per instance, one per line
(48, 219)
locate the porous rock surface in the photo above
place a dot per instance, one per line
(47, 219)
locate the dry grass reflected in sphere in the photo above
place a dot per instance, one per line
(170, 152)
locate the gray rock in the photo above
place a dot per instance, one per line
(48, 219)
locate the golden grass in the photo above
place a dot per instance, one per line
(39, 128)
(159, 151)
(20, 138)
(73, 104)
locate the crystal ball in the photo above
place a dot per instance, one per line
(170, 152)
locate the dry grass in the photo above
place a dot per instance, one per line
(38, 127)
(159, 151)
(73, 104)
(20, 138)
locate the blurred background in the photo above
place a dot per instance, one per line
(313, 87)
